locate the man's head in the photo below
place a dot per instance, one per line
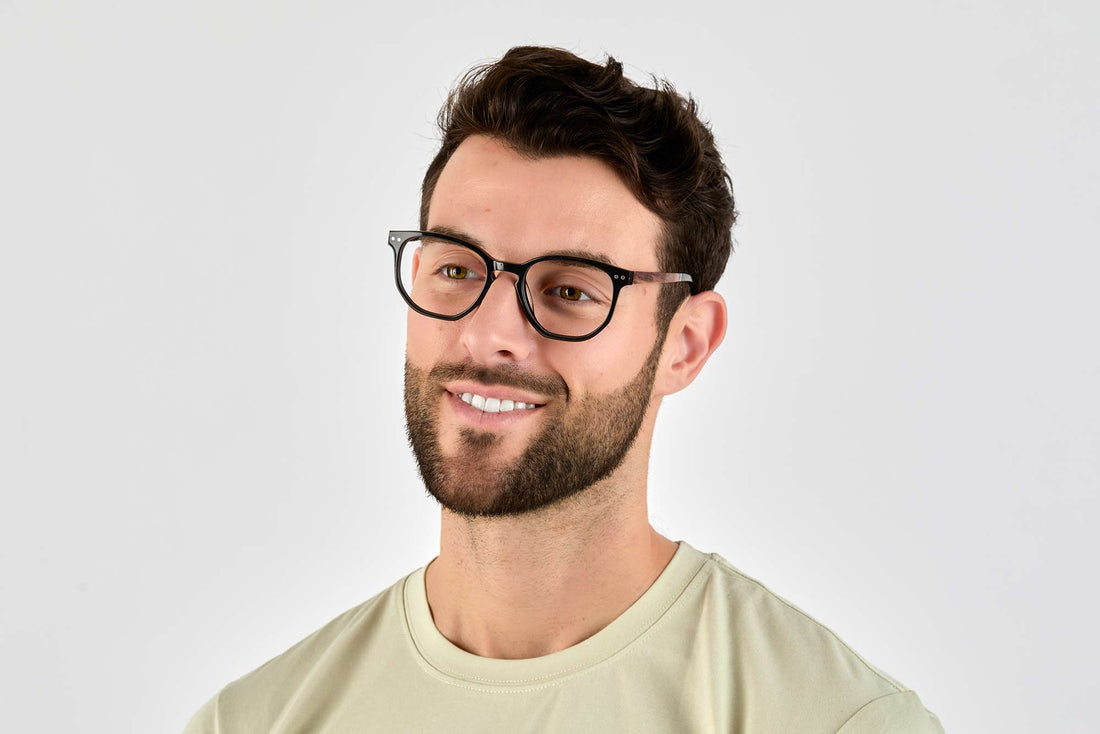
(545, 153)
(545, 102)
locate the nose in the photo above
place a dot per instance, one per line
(498, 331)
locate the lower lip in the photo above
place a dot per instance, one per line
(470, 414)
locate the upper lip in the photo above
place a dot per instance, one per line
(503, 392)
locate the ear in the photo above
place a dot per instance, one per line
(694, 333)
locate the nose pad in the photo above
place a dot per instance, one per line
(524, 301)
(521, 296)
(521, 292)
(494, 334)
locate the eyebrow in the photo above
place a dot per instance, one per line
(458, 234)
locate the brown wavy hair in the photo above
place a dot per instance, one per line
(546, 102)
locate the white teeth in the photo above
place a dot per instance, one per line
(493, 405)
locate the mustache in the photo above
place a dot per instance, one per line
(504, 375)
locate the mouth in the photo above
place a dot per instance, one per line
(493, 404)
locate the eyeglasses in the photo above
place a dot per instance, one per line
(564, 297)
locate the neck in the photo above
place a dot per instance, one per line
(522, 587)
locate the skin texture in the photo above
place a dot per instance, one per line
(580, 442)
(545, 537)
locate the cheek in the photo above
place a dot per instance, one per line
(617, 357)
(598, 368)
(426, 338)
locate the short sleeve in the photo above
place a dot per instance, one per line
(205, 720)
(894, 713)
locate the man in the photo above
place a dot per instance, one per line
(572, 228)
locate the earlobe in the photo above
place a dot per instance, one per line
(697, 329)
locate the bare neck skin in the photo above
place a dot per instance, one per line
(524, 587)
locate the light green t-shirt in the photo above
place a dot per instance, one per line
(705, 649)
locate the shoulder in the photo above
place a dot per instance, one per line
(781, 655)
(894, 713)
(786, 633)
(261, 694)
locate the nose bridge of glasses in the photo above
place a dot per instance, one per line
(503, 267)
(498, 266)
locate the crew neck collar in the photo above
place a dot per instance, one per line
(449, 660)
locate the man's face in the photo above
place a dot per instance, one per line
(591, 397)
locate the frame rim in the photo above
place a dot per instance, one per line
(620, 278)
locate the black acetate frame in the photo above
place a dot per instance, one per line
(620, 278)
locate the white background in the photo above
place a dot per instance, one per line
(203, 450)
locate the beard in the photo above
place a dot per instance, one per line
(579, 444)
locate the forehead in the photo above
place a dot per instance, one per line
(519, 207)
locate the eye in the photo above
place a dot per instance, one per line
(456, 272)
(570, 293)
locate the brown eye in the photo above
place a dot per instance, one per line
(570, 293)
(456, 271)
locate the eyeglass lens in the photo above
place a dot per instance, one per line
(568, 298)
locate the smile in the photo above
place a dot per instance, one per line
(493, 405)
